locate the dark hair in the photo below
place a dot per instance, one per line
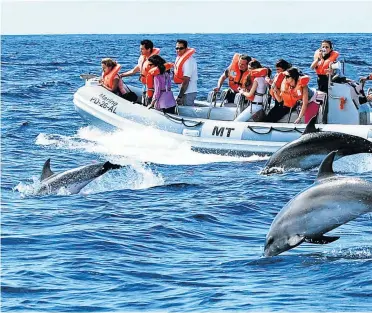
(295, 73)
(246, 57)
(254, 64)
(328, 42)
(283, 64)
(325, 57)
(158, 61)
(148, 44)
(181, 41)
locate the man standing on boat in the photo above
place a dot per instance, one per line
(146, 49)
(185, 73)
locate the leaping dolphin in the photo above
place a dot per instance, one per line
(312, 147)
(327, 204)
(72, 180)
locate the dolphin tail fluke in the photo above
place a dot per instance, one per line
(326, 168)
(110, 166)
(321, 240)
(46, 172)
(310, 127)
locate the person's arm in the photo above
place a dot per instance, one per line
(133, 71)
(277, 94)
(187, 72)
(222, 78)
(157, 92)
(317, 57)
(250, 93)
(364, 79)
(305, 101)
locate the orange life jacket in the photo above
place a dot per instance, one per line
(236, 77)
(370, 77)
(178, 65)
(108, 79)
(144, 65)
(291, 96)
(323, 65)
(150, 78)
(277, 82)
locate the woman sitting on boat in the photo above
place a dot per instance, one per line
(323, 58)
(162, 99)
(254, 89)
(295, 88)
(275, 113)
(112, 81)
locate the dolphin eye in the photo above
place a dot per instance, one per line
(270, 241)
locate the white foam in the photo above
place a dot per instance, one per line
(357, 163)
(145, 145)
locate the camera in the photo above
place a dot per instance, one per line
(323, 50)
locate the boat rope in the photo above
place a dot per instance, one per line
(182, 120)
(273, 128)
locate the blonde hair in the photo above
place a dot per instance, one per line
(109, 62)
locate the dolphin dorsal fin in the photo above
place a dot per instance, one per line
(310, 127)
(326, 168)
(46, 172)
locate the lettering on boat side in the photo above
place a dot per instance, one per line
(105, 102)
(219, 131)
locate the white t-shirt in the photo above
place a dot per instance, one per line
(190, 69)
(261, 88)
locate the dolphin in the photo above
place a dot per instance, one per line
(312, 147)
(72, 180)
(327, 204)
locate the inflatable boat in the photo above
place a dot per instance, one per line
(210, 126)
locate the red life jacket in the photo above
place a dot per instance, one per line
(277, 82)
(323, 65)
(289, 95)
(236, 77)
(178, 65)
(144, 65)
(108, 79)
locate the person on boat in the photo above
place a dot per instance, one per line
(237, 73)
(146, 49)
(112, 81)
(162, 99)
(185, 73)
(323, 58)
(293, 89)
(254, 89)
(281, 66)
(363, 81)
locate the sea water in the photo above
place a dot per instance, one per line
(173, 230)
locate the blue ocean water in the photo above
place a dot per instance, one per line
(173, 231)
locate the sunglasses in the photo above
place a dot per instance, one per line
(180, 48)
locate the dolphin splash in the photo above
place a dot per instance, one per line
(327, 204)
(72, 180)
(312, 147)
